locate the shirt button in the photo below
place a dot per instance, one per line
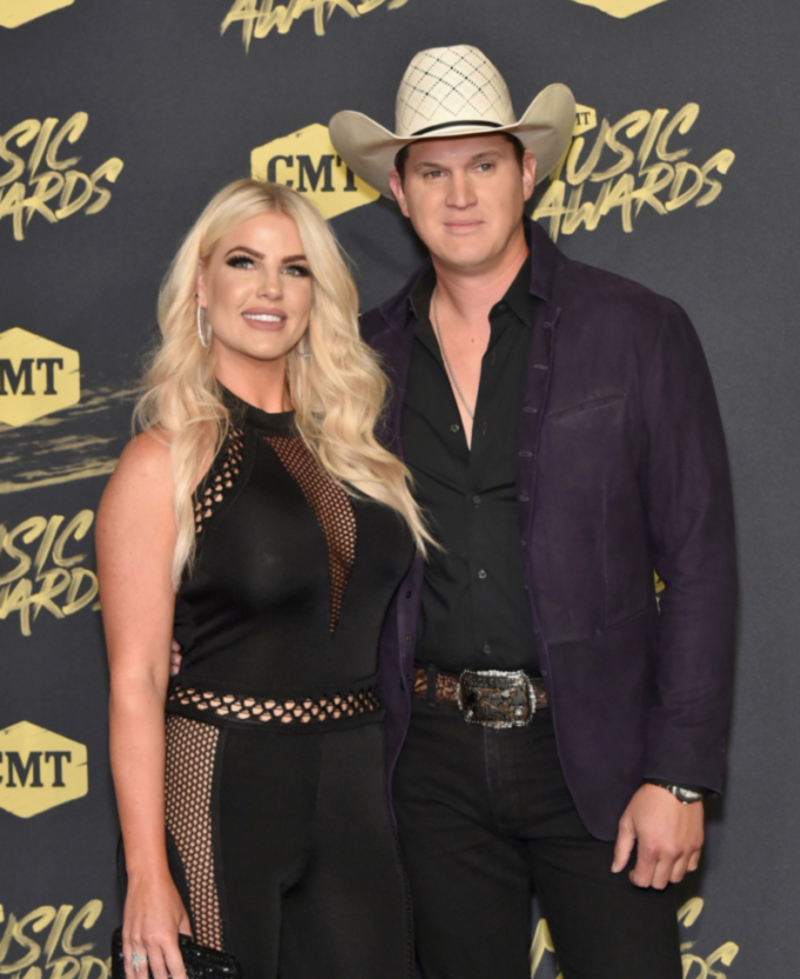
(487, 648)
(476, 499)
(481, 574)
(455, 428)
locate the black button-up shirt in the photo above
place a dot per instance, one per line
(475, 610)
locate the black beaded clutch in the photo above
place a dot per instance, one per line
(200, 961)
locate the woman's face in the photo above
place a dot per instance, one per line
(256, 290)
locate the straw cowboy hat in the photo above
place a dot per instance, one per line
(453, 91)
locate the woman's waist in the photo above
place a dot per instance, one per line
(332, 702)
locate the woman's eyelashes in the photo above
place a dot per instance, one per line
(240, 261)
(303, 271)
(247, 262)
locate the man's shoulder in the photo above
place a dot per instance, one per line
(575, 282)
(580, 289)
(392, 313)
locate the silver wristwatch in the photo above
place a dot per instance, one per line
(681, 792)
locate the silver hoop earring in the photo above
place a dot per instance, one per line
(205, 340)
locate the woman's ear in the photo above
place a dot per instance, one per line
(200, 286)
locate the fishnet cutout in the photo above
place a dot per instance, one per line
(333, 509)
(191, 751)
(452, 83)
(220, 477)
(261, 710)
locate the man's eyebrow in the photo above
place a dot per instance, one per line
(482, 155)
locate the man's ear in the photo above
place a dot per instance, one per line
(528, 174)
(396, 183)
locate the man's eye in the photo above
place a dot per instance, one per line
(240, 262)
(433, 173)
(302, 271)
(484, 167)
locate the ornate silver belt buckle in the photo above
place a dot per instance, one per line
(496, 698)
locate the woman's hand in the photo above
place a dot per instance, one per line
(154, 915)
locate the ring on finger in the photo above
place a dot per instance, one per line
(137, 960)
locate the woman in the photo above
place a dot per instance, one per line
(257, 519)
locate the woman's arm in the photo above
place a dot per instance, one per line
(135, 537)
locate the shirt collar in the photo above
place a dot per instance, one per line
(518, 297)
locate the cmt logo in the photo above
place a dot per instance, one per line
(307, 161)
(16, 12)
(39, 770)
(37, 377)
(620, 8)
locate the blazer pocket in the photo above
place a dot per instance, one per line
(584, 406)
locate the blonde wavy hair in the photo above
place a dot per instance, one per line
(338, 392)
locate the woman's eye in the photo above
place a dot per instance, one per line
(240, 262)
(302, 271)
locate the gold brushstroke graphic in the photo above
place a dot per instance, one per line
(638, 160)
(40, 180)
(52, 939)
(14, 13)
(260, 17)
(307, 161)
(620, 8)
(41, 571)
(694, 965)
(76, 443)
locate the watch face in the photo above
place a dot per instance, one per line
(687, 795)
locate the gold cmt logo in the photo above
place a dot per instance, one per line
(307, 161)
(16, 12)
(620, 8)
(39, 769)
(37, 377)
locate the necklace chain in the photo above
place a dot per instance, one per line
(447, 363)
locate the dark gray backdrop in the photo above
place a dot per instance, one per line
(182, 106)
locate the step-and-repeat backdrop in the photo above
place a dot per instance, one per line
(119, 120)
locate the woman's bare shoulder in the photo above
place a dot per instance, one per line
(143, 475)
(147, 454)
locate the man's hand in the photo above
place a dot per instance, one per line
(669, 837)
(175, 657)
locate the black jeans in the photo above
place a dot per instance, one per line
(485, 816)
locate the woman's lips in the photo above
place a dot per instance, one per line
(265, 319)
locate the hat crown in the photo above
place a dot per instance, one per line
(447, 87)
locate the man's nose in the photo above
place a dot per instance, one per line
(461, 193)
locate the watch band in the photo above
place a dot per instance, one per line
(683, 793)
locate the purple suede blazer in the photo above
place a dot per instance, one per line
(621, 469)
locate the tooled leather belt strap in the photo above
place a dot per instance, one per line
(494, 698)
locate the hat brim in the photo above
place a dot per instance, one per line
(369, 149)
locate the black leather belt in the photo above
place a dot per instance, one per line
(494, 698)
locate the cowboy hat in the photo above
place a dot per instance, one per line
(454, 91)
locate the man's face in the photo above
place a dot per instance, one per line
(465, 196)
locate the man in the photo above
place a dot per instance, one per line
(557, 728)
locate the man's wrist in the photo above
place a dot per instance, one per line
(686, 794)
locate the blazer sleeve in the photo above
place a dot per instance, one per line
(690, 518)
